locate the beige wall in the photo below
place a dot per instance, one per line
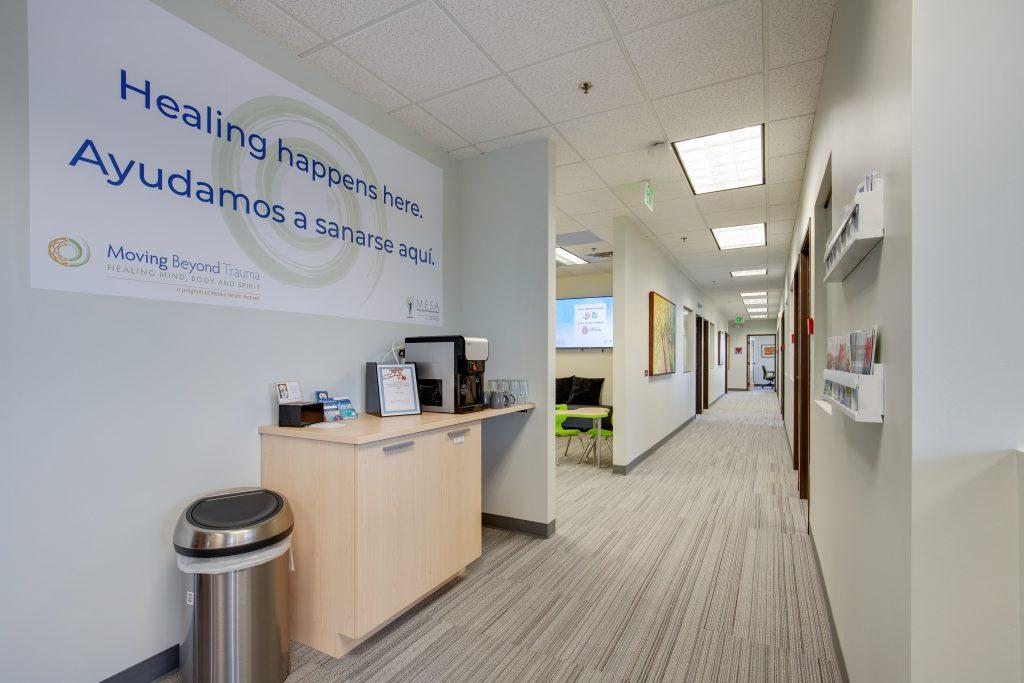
(860, 473)
(968, 59)
(649, 408)
(585, 362)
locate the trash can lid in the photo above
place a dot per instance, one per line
(233, 522)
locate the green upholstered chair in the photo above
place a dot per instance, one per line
(559, 431)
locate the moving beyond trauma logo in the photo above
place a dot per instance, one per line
(69, 252)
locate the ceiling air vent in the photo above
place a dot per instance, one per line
(599, 256)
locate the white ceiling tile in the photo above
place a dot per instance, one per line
(633, 14)
(525, 31)
(420, 52)
(780, 212)
(639, 164)
(785, 168)
(798, 30)
(731, 200)
(554, 85)
(612, 132)
(465, 152)
(711, 46)
(358, 79)
(698, 244)
(784, 193)
(429, 127)
(780, 228)
(673, 187)
(793, 90)
(333, 18)
(758, 214)
(566, 223)
(672, 208)
(563, 153)
(715, 109)
(789, 136)
(599, 221)
(485, 111)
(273, 23)
(573, 178)
(668, 226)
(588, 202)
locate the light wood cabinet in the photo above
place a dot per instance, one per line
(378, 525)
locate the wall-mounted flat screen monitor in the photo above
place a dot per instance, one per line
(584, 323)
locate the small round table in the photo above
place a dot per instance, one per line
(595, 414)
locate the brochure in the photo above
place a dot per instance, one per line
(346, 409)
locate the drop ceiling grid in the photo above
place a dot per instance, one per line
(793, 37)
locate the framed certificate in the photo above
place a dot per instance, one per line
(397, 390)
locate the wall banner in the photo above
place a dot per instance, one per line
(165, 165)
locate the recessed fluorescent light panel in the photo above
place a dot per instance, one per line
(723, 161)
(740, 236)
(763, 309)
(746, 294)
(567, 258)
(749, 273)
(758, 317)
(754, 302)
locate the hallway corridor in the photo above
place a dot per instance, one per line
(695, 567)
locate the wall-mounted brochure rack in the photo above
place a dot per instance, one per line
(859, 230)
(866, 390)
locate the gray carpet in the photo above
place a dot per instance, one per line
(695, 567)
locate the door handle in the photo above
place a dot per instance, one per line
(458, 432)
(398, 446)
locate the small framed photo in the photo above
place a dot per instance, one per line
(321, 396)
(767, 351)
(397, 389)
(288, 392)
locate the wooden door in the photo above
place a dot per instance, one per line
(707, 357)
(802, 370)
(698, 376)
(780, 370)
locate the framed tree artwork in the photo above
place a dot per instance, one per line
(662, 332)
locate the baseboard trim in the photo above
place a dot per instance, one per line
(523, 526)
(149, 669)
(627, 468)
(738, 389)
(717, 399)
(840, 660)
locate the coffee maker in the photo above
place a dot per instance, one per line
(449, 372)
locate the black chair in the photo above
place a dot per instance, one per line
(769, 377)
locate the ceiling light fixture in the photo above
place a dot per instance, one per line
(755, 302)
(567, 258)
(749, 273)
(740, 236)
(759, 317)
(746, 294)
(762, 309)
(723, 161)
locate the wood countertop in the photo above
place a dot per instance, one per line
(369, 428)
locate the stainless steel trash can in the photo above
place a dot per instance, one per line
(234, 548)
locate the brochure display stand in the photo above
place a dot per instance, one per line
(859, 230)
(869, 393)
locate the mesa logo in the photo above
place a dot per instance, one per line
(69, 252)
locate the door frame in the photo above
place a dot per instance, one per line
(698, 398)
(802, 361)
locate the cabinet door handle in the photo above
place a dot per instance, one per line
(398, 446)
(458, 432)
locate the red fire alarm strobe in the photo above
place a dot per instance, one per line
(792, 338)
(810, 325)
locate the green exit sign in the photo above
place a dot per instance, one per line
(739, 320)
(649, 195)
